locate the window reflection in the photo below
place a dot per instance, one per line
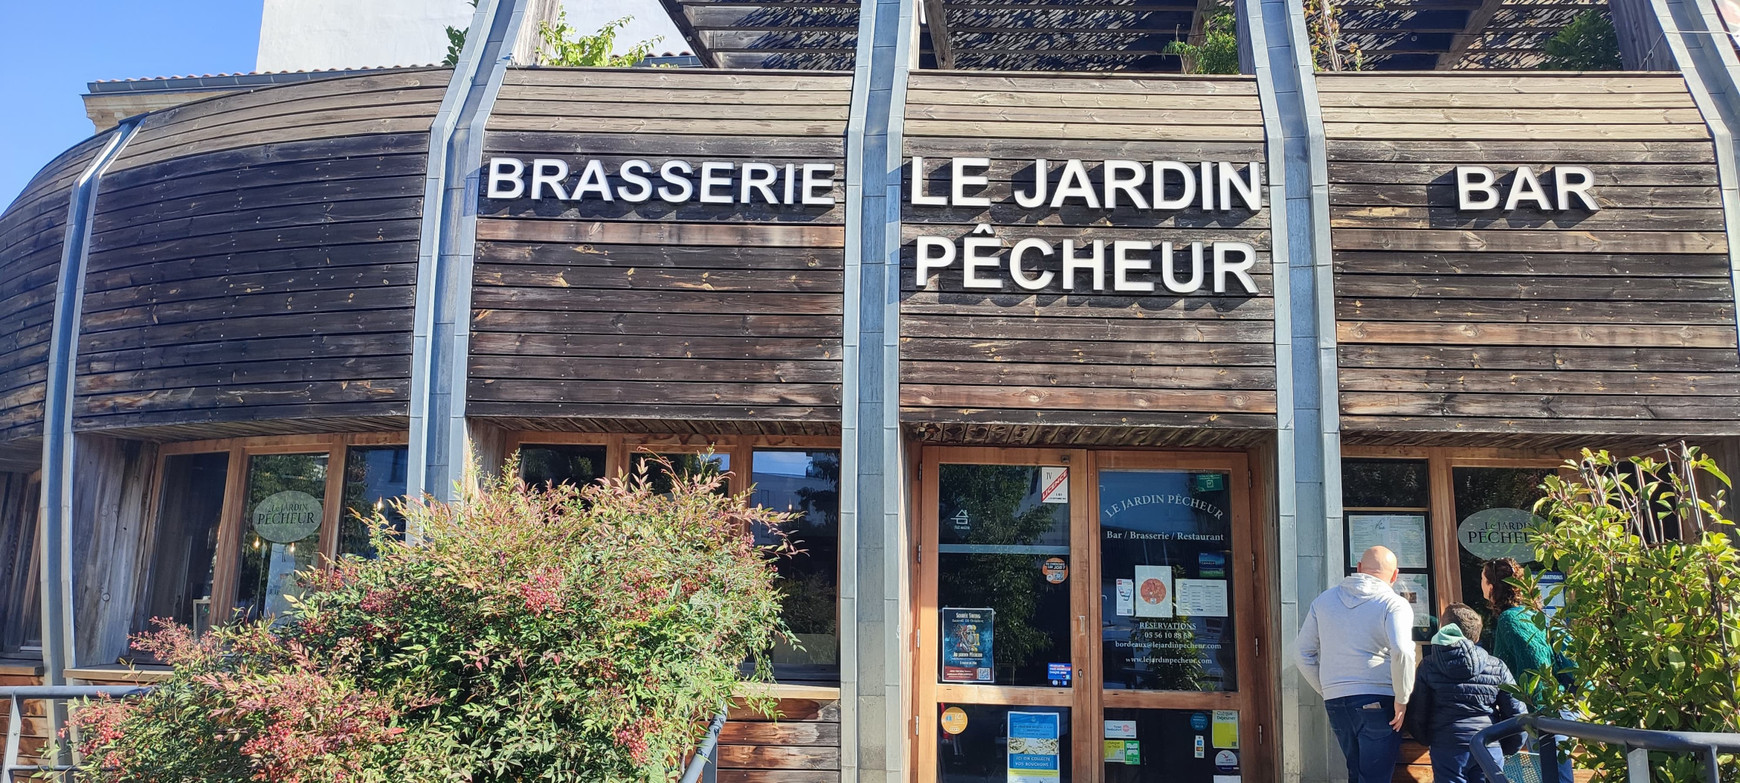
(373, 476)
(807, 483)
(286, 496)
(189, 512)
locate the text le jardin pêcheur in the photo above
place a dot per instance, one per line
(984, 258)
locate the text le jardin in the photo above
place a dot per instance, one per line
(1031, 263)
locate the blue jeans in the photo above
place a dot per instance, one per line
(1362, 728)
(1453, 760)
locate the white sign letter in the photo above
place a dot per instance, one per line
(818, 175)
(547, 172)
(961, 179)
(1237, 258)
(504, 172)
(1474, 190)
(1576, 181)
(920, 183)
(1020, 275)
(1123, 264)
(928, 263)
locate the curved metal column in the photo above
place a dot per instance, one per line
(1308, 428)
(59, 610)
(441, 331)
(873, 570)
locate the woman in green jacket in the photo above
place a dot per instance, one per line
(1522, 644)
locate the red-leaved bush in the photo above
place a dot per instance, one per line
(530, 633)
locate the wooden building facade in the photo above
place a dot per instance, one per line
(1091, 318)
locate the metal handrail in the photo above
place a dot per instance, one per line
(1637, 743)
(704, 754)
(17, 695)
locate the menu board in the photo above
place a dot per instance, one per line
(1403, 534)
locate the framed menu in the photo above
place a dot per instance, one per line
(1404, 534)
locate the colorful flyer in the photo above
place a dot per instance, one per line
(1201, 597)
(1126, 597)
(967, 645)
(1059, 674)
(1114, 751)
(1153, 591)
(1132, 752)
(1226, 729)
(1035, 747)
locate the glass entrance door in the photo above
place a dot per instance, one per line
(1082, 616)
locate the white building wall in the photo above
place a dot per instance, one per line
(304, 35)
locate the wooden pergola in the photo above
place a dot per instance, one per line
(1133, 35)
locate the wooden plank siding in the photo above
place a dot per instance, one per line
(690, 312)
(1018, 364)
(254, 259)
(1618, 322)
(32, 233)
(801, 746)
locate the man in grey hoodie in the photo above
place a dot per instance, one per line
(1363, 664)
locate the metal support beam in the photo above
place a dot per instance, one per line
(1699, 42)
(441, 330)
(874, 626)
(936, 17)
(59, 609)
(1478, 19)
(1308, 439)
(1642, 46)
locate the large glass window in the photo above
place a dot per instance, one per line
(807, 483)
(1002, 575)
(1494, 507)
(686, 465)
(544, 464)
(281, 519)
(189, 513)
(1166, 599)
(1185, 746)
(373, 476)
(1387, 504)
(20, 604)
(991, 743)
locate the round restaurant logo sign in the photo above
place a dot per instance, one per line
(287, 517)
(1499, 532)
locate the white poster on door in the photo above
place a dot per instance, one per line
(1153, 591)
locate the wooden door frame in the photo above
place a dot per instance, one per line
(1086, 696)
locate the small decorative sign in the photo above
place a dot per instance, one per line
(1059, 674)
(1054, 485)
(287, 517)
(1056, 570)
(954, 720)
(1499, 532)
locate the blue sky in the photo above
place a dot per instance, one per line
(50, 50)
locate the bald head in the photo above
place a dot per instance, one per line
(1379, 562)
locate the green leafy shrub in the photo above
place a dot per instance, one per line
(532, 634)
(1588, 43)
(565, 46)
(1218, 51)
(1651, 615)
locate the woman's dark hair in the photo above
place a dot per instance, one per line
(1505, 595)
